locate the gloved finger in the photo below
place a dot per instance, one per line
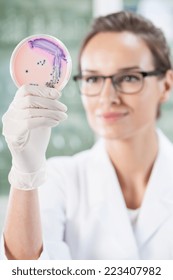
(43, 91)
(37, 113)
(18, 129)
(39, 102)
(40, 122)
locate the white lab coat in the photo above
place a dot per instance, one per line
(84, 213)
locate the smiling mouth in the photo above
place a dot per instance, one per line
(112, 116)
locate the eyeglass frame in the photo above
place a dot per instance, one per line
(143, 73)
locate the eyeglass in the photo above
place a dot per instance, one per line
(129, 82)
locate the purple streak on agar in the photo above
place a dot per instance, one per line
(54, 50)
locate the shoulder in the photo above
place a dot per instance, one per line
(77, 161)
(68, 177)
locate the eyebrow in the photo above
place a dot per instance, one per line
(119, 70)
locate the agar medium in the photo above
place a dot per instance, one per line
(41, 60)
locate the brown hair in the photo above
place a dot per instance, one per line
(138, 25)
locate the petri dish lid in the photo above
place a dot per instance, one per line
(41, 60)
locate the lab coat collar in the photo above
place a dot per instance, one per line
(108, 197)
(157, 204)
(157, 199)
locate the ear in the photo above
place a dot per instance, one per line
(166, 86)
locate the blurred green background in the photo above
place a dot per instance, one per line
(69, 21)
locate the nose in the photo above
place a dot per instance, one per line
(109, 93)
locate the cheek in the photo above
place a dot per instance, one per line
(145, 105)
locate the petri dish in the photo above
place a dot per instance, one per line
(41, 60)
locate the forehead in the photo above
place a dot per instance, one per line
(111, 51)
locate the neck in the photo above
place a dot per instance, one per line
(133, 159)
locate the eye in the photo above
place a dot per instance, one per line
(91, 79)
(130, 78)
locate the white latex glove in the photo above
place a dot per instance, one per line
(27, 128)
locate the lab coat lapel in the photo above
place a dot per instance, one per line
(157, 205)
(108, 195)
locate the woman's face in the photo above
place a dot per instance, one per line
(114, 115)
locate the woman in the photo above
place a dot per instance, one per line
(115, 200)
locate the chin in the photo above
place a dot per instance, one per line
(112, 134)
(117, 132)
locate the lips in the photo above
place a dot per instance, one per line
(112, 116)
